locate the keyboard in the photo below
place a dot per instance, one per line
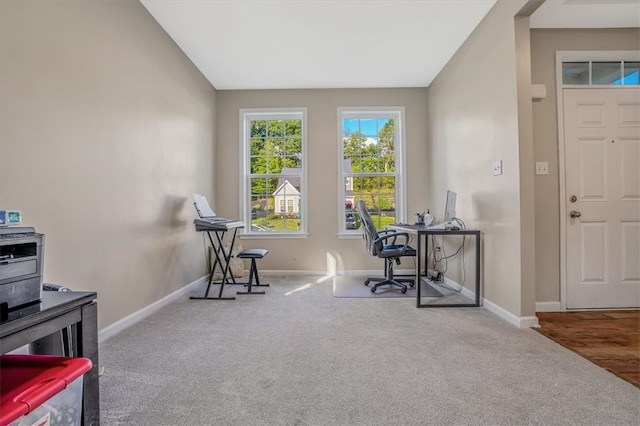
(217, 223)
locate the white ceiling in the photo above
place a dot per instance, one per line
(282, 44)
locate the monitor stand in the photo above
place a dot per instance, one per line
(443, 225)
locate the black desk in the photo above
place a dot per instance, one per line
(423, 231)
(56, 311)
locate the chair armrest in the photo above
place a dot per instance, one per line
(384, 232)
(394, 235)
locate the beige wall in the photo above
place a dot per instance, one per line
(544, 44)
(323, 247)
(473, 122)
(106, 129)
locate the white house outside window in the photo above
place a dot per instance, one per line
(371, 158)
(274, 178)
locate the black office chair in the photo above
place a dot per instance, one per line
(386, 244)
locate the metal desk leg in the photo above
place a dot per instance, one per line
(418, 269)
(87, 341)
(477, 269)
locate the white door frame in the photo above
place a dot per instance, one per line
(576, 56)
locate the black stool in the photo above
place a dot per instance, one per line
(253, 254)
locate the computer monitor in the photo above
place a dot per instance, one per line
(450, 207)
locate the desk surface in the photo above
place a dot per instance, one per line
(53, 303)
(420, 229)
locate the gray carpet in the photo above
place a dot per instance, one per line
(347, 286)
(299, 356)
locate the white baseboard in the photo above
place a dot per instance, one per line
(135, 317)
(520, 322)
(549, 307)
(340, 273)
(456, 286)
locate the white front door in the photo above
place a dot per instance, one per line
(602, 162)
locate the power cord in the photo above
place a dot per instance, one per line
(440, 272)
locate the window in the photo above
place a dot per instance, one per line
(274, 178)
(371, 145)
(600, 73)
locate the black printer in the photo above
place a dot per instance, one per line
(21, 257)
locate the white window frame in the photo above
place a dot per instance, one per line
(398, 114)
(246, 116)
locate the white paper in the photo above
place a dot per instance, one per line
(203, 207)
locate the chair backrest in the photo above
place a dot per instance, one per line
(369, 232)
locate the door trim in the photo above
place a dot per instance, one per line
(572, 56)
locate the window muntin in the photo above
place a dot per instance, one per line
(371, 144)
(274, 180)
(600, 73)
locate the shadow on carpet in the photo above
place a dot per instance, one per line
(354, 287)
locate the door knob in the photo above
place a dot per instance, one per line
(573, 214)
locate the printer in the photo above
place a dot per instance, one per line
(21, 257)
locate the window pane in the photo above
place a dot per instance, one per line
(258, 128)
(258, 165)
(263, 187)
(379, 195)
(350, 126)
(258, 146)
(276, 128)
(631, 73)
(293, 146)
(353, 143)
(369, 127)
(293, 128)
(260, 212)
(606, 73)
(287, 211)
(575, 73)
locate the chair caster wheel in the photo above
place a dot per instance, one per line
(373, 290)
(366, 282)
(403, 291)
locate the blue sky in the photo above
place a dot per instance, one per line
(367, 126)
(630, 78)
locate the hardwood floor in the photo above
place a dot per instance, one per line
(610, 339)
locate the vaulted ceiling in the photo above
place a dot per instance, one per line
(279, 44)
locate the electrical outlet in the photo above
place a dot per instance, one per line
(497, 168)
(542, 168)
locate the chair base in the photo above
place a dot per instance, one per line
(390, 279)
(392, 282)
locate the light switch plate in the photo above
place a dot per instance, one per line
(542, 168)
(497, 168)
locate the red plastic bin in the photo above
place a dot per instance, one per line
(41, 389)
